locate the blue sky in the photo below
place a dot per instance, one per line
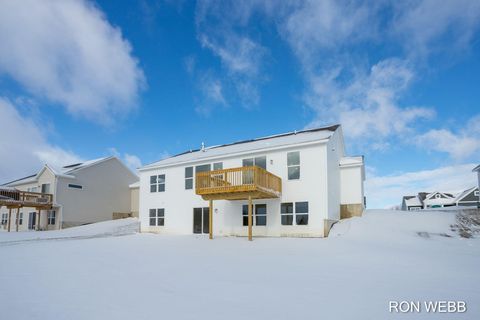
(148, 79)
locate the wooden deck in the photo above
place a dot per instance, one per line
(12, 198)
(238, 184)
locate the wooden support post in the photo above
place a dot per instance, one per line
(18, 218)
(249, 218)
(210, 220)
(38, 220)
(9, 218)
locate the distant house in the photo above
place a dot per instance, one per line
(438, 200)
(77, 194)
(430, 200)
(469, 197)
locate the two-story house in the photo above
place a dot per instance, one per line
(81, 193)
(292, 184)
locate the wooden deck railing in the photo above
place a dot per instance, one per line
(242, 179)
(27, 197)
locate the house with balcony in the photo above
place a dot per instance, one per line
(77, 194)
(295, 184)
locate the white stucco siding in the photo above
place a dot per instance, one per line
(351, 179)
(105, 190)
(179, 203)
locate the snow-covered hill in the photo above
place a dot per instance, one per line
(353, 274)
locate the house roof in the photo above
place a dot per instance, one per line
(464, 193)
(412, 201)
(285, 139)
(477, 168)
(61, 171)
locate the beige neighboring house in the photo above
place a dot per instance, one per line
(81, 193)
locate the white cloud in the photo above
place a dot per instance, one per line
(386, 191)
(459, 145)
(422, 25)
(24, 146)
(212, 93)
(67, 51)
(366, 104)
(242, 58)
(130, 160)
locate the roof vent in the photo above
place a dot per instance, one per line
(203, 147)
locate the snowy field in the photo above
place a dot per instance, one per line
(106, 271)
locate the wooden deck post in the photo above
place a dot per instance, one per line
(249, 218)
(38, 220)
(9, 218)
(18, 218)
(210, 220)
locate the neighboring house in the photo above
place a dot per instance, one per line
(292, 184)
(438, 200)
(81, 193)
(410, 203)
(469, 197)
(425, 200)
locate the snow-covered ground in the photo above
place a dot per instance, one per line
(92, 273)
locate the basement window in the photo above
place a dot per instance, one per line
(293, 165)
(75, 186)
(4, 218)
(297, 212)
(51, 217)
(259, 214)
(157, 217)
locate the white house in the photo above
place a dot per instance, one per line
(77, 194)
(298, 184)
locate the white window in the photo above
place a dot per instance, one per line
(75, 186)
(299, 215)
(51, 217)
(4, 218)
(20, 218)
(259, 214)
(157, 183)
(438, 196)
(157, 217)
(188, 178)
(293, 165)
(476, 193)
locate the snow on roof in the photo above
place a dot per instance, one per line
(285, 139)
(58, 171)
(27, 179)
(355, 160)
(413, 201)
(477, 168)
(464, 193)
(134, 185)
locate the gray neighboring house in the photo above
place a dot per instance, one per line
(83, 193)
(468, 198)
